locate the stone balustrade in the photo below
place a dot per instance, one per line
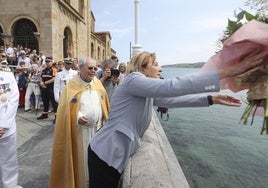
(154, 164)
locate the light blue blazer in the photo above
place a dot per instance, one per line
(131, 111)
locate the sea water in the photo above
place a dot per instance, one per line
(213, 148)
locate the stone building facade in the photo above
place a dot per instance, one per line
(59, 28)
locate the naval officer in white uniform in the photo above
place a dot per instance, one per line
(63, 77)
(9, 99)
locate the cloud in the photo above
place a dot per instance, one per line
(190, 52)
(120, 32)
(209, 24)
(107, 13)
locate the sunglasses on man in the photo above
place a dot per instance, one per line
(91, 68)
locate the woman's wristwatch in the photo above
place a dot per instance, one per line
(210, 101)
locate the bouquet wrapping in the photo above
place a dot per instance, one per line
(252, 36)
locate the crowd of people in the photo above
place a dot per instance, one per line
(101, 109)
(41, 80)
(35, 75)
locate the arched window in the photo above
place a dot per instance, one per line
(92, 50)
(24, 32)
(67, 43)
(99, 55)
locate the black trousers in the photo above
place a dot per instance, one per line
(47, 95)
(100, 174)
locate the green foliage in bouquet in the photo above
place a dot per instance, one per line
(241, 18)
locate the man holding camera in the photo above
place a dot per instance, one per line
(109, 76)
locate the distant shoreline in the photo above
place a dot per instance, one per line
(185, 65)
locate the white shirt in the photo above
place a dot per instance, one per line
(122, 76)
(27, 61)
(43, 59)
(10, 52)
(61, 79)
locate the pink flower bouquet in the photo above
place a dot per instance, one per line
(250, 37)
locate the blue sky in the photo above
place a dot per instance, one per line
(178, 31)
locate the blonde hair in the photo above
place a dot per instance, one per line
(139, 60)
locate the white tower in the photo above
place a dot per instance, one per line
(136, 47)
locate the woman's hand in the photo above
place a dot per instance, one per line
(254, 59)
(226, 100)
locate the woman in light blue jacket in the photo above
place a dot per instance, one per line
(131, 110)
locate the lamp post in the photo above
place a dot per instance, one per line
(136, 47)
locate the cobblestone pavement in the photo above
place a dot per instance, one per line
(34, 148)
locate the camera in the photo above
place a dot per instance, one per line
(115, 72)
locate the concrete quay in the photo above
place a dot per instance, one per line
(153, 165)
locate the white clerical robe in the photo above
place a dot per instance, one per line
(90, 107)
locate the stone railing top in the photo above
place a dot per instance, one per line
(154, 164)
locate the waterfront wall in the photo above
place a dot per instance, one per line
(154, 164)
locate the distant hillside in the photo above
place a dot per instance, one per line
(185, 65)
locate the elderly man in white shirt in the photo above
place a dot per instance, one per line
(63, 77)
(83, 107)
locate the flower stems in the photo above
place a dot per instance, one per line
(244, 118)
(250, 110)
(265, 119)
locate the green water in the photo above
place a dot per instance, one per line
(213, 149)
